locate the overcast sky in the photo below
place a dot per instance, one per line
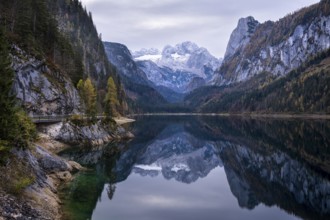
(156, 23)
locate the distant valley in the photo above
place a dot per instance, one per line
(174, 72)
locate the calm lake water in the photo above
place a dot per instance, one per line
(206, 168)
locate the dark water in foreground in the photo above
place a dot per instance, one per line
(206, 168)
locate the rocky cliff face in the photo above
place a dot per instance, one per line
(96, 134)
(241, 35)
(275, 47)
(40, 89)
(120, 56)
(138, 88)
(47, 170)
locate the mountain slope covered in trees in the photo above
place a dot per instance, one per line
(303, 90)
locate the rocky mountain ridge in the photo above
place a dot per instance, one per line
(275, 47)
(141, 93)
(120, 56)
(241, 35)
(273, 67)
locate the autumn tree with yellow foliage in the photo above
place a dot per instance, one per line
(88, 94)
(111, 102)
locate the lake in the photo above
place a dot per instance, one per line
(210, 167)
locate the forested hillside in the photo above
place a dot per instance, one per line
(303, 90)
(61, 35)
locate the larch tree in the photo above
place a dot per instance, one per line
(88, 94)
(111, 99)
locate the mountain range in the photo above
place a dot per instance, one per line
(275, 47)
(277, 66)
(263, 61)
(171, 73)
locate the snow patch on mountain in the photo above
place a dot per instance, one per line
(153, 58)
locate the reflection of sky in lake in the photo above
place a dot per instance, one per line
(155, 198)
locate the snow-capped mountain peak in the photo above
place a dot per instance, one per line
(185, 61)
(183, 56)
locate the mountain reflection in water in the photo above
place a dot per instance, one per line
(282, 164)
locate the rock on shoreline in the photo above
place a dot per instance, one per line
(39, 200)
(94, 134)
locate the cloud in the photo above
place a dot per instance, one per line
(154, 23)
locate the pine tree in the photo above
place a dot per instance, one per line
(111, 99)
(23, 27)
(7, 101)
(16, 128)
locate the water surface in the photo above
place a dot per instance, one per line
(206, 168)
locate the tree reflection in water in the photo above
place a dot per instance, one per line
(275, 162)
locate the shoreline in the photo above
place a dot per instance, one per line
(251, 115)
(39, 200)
(51, 172)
